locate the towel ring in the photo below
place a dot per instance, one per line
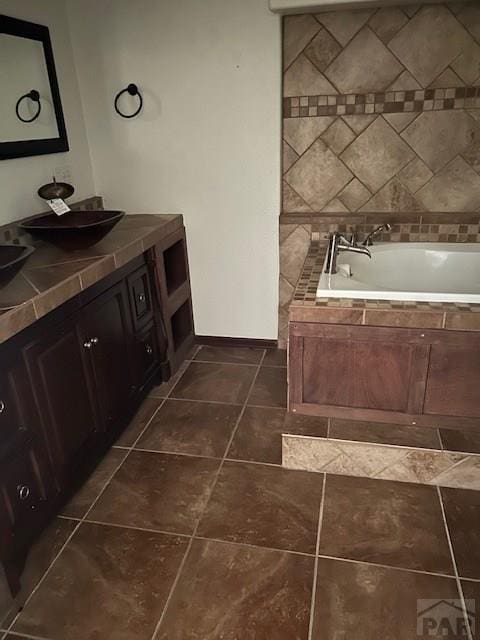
(132, 89)
(34, 96)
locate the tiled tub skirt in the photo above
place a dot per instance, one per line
(381, 461)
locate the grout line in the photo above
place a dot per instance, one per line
(242, 364)
(117, 525)
(230, 404)
(210, 493)
(317, 551)
(264, 406)
(439, 436)
(454, 562)
(242, 412)
(477, 580)
(258, 462)
(16, 634)
(174, 534)
(200, 455)
(177, 453)
(256, 546)
(386, 566)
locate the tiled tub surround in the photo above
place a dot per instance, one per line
(419, 156)
(52, 276)
(229, 557)
(306, 307)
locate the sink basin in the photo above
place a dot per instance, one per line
(73, 230)
(12, 259)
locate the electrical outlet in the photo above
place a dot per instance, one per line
(63, 174)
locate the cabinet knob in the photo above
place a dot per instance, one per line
(148, 349)
(141, 297)
(2, 406)
(23, 491)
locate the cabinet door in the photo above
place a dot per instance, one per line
(107, 338)
(366, 368)
(61, 381)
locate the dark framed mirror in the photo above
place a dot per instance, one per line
(31, 114)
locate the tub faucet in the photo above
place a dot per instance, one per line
(338, 243)
(369, 239)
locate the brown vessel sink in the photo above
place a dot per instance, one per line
(12, 259)
(72, 230)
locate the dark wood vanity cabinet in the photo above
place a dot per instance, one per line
(70, 384)
(398, 375)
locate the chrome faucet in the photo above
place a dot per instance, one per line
(369, 239)
(338, 243)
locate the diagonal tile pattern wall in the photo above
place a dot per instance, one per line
(349, 161)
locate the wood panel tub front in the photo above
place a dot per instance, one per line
(397, 375)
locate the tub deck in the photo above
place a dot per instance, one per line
(307, 307)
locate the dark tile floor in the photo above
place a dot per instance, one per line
(190, 529)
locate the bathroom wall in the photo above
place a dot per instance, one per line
(20, 178)
(207, 143)
(377, 118)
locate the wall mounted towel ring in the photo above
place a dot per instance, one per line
(132, 89)
(34, 96)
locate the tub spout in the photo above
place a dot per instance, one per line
(338, 243)
(356, 249)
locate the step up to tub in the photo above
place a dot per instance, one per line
(445, 457)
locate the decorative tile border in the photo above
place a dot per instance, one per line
(413, 101)
(381, 461)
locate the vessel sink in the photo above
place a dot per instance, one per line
(12, 259)
(74, 229)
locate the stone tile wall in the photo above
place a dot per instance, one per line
(381, 115)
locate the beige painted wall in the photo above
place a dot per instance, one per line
(20, 178)
(207, 143)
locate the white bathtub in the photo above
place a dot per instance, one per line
(422, 271)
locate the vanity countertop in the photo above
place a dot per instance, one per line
(51, 276)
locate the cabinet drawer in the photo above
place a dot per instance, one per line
(140, 296)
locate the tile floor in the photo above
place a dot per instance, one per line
(190, 529)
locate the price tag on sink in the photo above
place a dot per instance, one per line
(58, 206)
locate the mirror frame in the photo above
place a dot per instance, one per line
(25, 148)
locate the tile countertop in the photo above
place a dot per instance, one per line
(51, 276)
(306, 307)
